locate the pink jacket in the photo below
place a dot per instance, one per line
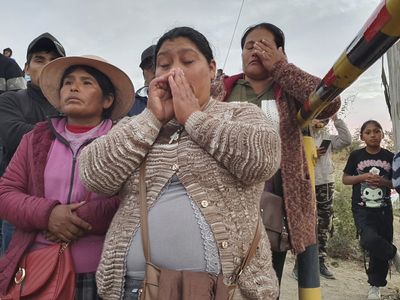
(22, 202)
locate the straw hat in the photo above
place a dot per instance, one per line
(50, 79)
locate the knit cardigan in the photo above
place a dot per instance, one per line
(292, 87)
(222, 158)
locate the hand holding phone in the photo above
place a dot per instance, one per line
(323, 147)
(325, 144)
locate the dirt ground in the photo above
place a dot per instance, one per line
(350, 283)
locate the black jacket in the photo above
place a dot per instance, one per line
(140, 102)
(19, 112)
(11, 78)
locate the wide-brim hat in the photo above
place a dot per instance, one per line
(50, 81)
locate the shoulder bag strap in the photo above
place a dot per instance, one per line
(144, 225)
(252, 250)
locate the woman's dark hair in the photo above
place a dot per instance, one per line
(366, 123)
(106, 86)
(187, 32)
(279, 37)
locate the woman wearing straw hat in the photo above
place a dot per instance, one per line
(41, 193)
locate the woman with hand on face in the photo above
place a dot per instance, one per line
(41, 193)
(205, 163)
(280, 88)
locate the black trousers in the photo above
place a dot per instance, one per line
(278, 262)
(375, 227)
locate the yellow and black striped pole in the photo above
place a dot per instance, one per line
(379, 33)
(308, 264)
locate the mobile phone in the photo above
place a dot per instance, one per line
(325, 144)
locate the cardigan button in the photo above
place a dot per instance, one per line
(175, 167)
(204, 203)
(224, 244)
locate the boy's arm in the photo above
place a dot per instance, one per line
(352, 180)
(343, 138)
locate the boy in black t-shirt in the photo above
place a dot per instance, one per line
(369, 171)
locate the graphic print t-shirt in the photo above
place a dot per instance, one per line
(360, 162)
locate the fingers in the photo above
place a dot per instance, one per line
(321, 151)
(72, 233)
(183, 97)
(159, 83)
(268, 53)
(68, 233)
(65, 224)
(75, 206)
(160, 98)
(265, 45)
(264, 48)
(75, 220)
(180, 87)
(162, 79)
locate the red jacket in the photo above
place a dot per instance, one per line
(292, 86)
(22, 202)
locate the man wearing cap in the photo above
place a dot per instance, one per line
(20, 111)
(147, 66)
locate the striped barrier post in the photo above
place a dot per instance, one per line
(308, 264)
(379, 33)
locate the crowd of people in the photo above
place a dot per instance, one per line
(179, 165)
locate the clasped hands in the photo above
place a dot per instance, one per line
(171, 96)
(372, 179)
(65, 225)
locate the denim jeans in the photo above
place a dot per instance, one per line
(132, 287)
(7, 231)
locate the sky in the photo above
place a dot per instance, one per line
(317, 32)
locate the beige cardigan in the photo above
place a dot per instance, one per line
(222, 158)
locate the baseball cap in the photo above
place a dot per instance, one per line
(147, 54)
(45, 41)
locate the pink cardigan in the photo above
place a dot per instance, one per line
(22, 202)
